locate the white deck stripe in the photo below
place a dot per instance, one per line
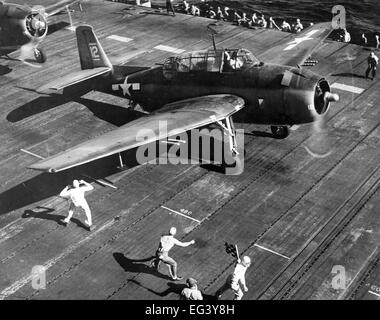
(266, 249)
(32, 154)
(376, 294)
(181, 214)
(346, 87)
(119, 38)
(169, 49)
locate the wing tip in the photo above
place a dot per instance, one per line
(38, 167)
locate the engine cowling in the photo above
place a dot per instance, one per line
(36, 26)
(307, 96)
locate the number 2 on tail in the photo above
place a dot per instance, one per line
(94, 51)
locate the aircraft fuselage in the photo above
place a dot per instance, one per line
(273, 94)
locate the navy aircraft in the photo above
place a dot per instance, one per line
(24, 26)
(196, 89)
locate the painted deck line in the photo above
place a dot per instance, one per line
(374, 293)
(266, 249)
(119, 38)
(169, 49)
(181, 214)
(346, 87)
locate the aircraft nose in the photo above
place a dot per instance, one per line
(38, 24)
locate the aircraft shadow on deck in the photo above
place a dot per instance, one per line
(137, 265)
(36, 106)
(133, 265)
(57, 26)
(47, 185)
(4, 70)
(113, 114)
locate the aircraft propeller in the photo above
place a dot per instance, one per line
(318, 145)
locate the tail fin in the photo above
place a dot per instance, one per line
(91, 53)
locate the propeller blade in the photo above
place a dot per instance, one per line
(331, 97)
(318, 145)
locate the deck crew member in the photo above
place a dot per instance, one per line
(219, 14)
(167, 242)
(272, 24)
(346, 36)
(169, 7)
(243, 20)
(286, 27)
(227, 15)
(298, 27)
(191, 292)
(373, 61)
(253, 21)
(234, 280)
(186, 6)
(377, 41)
(77, 200)
(364, 38)
(211, 13)
(262, 22)
(195, 11)
(237, 17)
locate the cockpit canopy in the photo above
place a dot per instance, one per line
(227, 60)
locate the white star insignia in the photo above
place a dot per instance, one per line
(299, 40)
(125, 86)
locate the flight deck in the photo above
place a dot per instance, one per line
(300, 217)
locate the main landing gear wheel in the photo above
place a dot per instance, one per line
(280, 132)
(39, 55)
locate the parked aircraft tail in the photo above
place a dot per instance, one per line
(94, 65)
(91, 53)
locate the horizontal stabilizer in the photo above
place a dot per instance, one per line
(73, 78)
(59, 6)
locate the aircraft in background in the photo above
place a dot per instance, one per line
(196, 89)
(22, 26)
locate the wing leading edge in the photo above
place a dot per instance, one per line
(178, 117)
(295, 50)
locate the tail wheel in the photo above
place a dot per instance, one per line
(280, 132)
(39, 55)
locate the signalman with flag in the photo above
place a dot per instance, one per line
(234, 280)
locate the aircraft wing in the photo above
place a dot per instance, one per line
(59, 6)
(173, 119)
(296, 50)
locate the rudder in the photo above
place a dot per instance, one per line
(91, 53)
